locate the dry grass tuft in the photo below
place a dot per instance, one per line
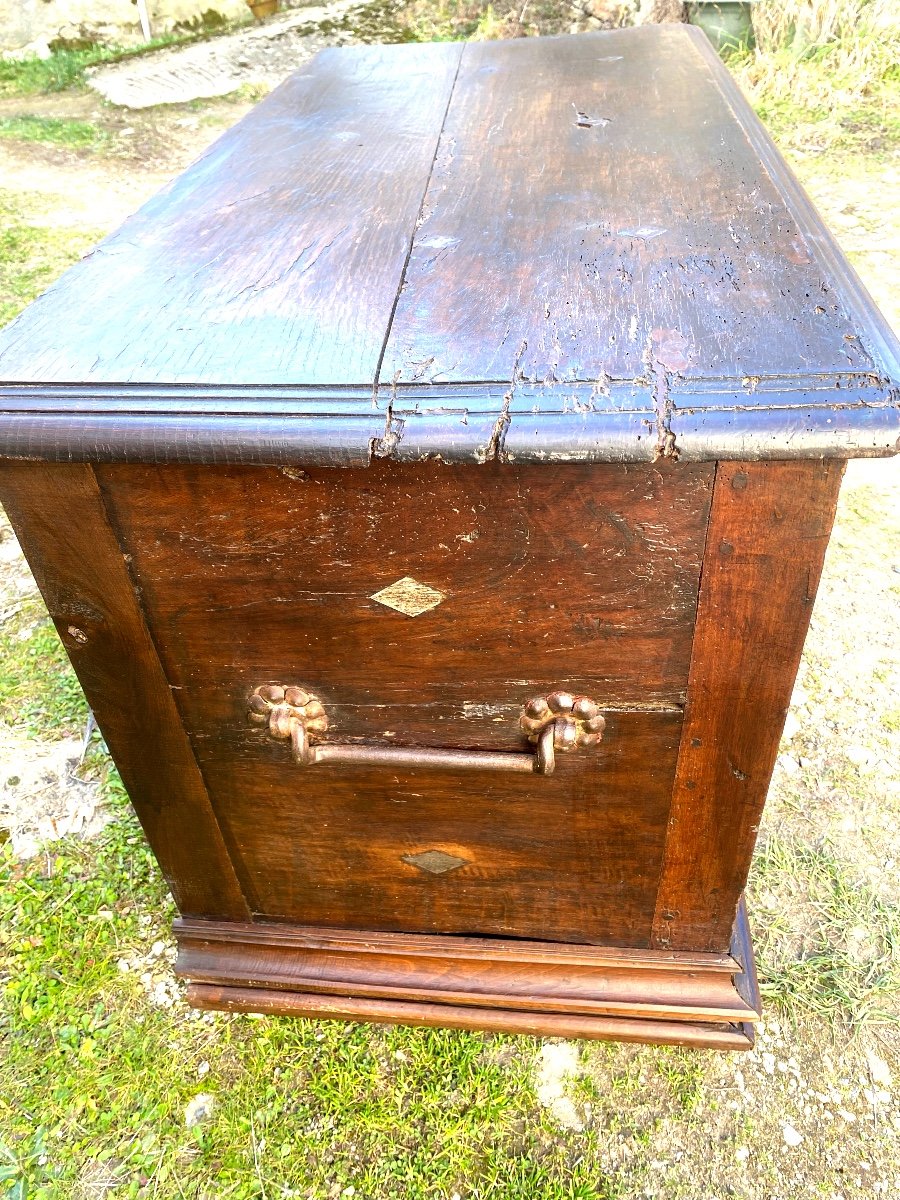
(822, 54)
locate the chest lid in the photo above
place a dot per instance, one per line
(579, 248)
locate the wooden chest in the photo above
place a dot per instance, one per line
(430, 488)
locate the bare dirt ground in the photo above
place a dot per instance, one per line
(814, 1110)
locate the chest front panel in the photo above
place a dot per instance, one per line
(515, 582)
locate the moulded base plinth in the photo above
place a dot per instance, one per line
(663, 997)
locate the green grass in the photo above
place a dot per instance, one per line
(100, 1078)
(33, 255)
(38, 689)
(828, 943)
(826, 76)
(65, 68)
(54, 131)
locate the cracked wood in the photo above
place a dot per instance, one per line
(614, 233)
(584, 238)
(275, 258)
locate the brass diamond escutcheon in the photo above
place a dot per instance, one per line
(435, 861)
(408, 596)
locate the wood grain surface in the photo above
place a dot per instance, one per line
(446, 1016)
(600, 219)
(59, 517)
(584, 578)
(768, 532)
(644, 240)
(277, 256)
(480, 972)
(573, 576)
(572, 857)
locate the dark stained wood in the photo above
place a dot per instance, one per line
(768, 533)
(58, 515)
(612, 262)
(276, 257)
(445, 1016)
(481, 973)
(574, 857)
(783, 422)
(253, 575)
(263, 576)
(642, 238)
(204, 933)
(584, 578)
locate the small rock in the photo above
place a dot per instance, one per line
(860, 756)
(37, 49)
(559, 1062)
(202, 1069)
(878, 1069)
(742, 1154)
(799, 696)
(768, 1062)
(790, 766)
(199, 1109)
(791, 1136)
(791, 727)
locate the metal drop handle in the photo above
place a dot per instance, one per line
(558, 722)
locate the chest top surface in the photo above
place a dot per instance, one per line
(569, 248)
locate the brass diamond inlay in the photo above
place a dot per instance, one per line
(435, 861)
(408, 596)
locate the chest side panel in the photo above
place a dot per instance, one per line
(61, 522)
(533, 579)
(768, 533)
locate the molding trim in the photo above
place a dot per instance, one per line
(694, 1034)
(474, 983)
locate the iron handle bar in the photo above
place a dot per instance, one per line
(541, 762)
(556, 722)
